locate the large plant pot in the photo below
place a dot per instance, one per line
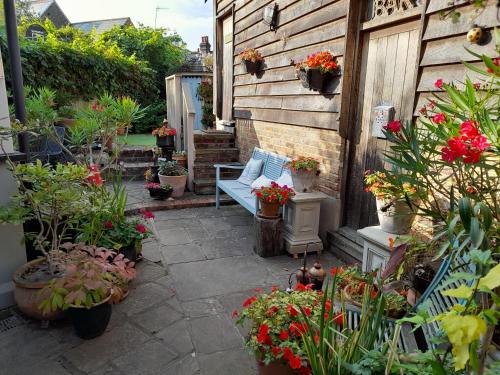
(269, 209)
(28, 294)
(90, 323)
(177, 182)
(303, 181)
(167, 141)
(251, 67)
(275, 368)
(396, 219)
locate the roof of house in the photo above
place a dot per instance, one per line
(102, 25)
(41, 6)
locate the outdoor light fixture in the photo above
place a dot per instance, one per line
(271, 16)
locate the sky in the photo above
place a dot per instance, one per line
(190, 18)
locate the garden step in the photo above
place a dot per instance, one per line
(204, 186)
(214, 145)
(136, 151)
(219, 155)
(135, 169)
(207, 170)
(345, 247)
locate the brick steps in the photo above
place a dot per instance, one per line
(217, 155)
(134, 160)
(207, 170)
(135, 169)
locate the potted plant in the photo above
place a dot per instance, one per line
(181, 158)
(393, 197)
(85, 292)
(172, 174)
(165, 136)
(276, 327)
(205, 92)
(158, 191)
(318, 69)
(271, 198)
(126, 111)
(151, 174)
(251, 59)
(52, 200)
(304, 172)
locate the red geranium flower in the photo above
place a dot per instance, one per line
(393, 126)
(147, 214)
(263, 336)
(287, 353)
(275, 288)
(292, 311)
(249, 301)
(276, 350)
(335, 270)
(301, 287)
(140, 228)
(298, 328)
(307, 311)
(438, 84)
(295, 362)
(284, 335)
(108, 224)
(272, 310)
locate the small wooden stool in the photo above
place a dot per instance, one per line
(268, 236)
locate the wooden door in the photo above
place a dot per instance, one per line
(227, 69)
(387, 76)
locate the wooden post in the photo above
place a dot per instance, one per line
(268, 236)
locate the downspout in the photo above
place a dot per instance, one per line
(16, 71)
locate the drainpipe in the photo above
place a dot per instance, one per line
(16, 69)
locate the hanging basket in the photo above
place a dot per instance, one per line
(251, 67)
(167, 141)
(318, 80)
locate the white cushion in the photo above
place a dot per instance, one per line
(285, 180)
(262, 181)
(251, 172)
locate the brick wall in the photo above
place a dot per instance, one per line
(292, 141)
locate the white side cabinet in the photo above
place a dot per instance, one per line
(301, 218)
(376, 249)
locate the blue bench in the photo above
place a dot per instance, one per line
(273, 166)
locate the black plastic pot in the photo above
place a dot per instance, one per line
(160, 194)
(251, 67)
(167, 141)
(129, 252)
(303, 75)
(153, 193)
(317, 80)
(90, 323)
(422, 278)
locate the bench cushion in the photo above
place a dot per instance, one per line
(251, 172)
(241, 193)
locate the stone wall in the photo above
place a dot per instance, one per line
(292, 141)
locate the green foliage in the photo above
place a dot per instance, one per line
(171, 168)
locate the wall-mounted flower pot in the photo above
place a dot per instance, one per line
(167, 141)
(318, 80)
(303, 75)
(251, 67)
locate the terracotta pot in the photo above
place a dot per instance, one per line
(121, 130)
(181, 160)
(167, 141)
(396, 219)
(303, 181)
(109, 143)
(251, 67)
(275, 368)
(177, 182)
(269, 209)
(28, 296)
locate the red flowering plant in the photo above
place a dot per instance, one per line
(251, 54)
(277, 324)
(274, 193)
(453, 149)
(323, 61)
(164, 130)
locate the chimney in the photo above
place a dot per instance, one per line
(205, 47)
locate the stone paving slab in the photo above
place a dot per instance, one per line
(177, 318)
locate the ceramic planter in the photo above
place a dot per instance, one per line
(303, 76)
(90, 323)
(269, 209)
(28, 295)
(251, 67)
(303, 180)
(167, 141)
(396, 219)
(177, 182)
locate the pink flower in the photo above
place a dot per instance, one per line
(147, 214)
(393, 126)
(439, 118)
(469, 129)
(140, 228)
(438, 84)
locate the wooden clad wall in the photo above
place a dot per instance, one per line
(276, 95)
(443, 43)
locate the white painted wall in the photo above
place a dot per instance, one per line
(12, 251)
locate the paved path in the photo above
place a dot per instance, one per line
(177, 318)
